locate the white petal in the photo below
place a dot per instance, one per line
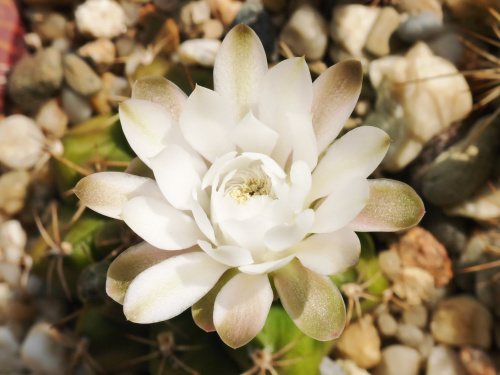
(216, 167)
(281, 237)
(148, 128)
(241, 308)
(345, 202)
(247, 233)
(336, 92)
(232, 256)
(168, 288)
(304, 145)
(266, 267)
(300, 177)
(356, 154)
(107, 192)
(239, 67)
(251, 135)
(329, 253)
(206, 121)
(178, 172)
(160, 224)
(201, 218)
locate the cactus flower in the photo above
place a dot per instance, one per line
(252, 197)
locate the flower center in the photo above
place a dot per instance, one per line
(252, 186)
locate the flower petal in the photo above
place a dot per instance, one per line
(300, 178)
(251, 135)
(161, 91)
(206, 121)
(178, 172)
(232, 256)
(266, 267)
(313, 301)
(201, 217)
(344, 203)
(335, 94)
(239, 67)
(160, 224)
(166, 289)
(148, 128)
(107, 192)
(329, 253)
(131, 263)
(241, 308)
(393, 206)
(356, 154)
(282, 236)
(304, 145)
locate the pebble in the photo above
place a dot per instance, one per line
(102, 53)
(410, 335)
(132, 10)
(416, 315)
(426, 346)
(9, 352)
(253, 14)
(168, 37)
(35, 79)
(448, 45)
(416, 7)
(80, 76)
(168, 6)
(112, 86)
(76, 106)
(477, 361)
(306, 33)
(360, 343)
(390, 263)
(192, 17)
(460, 321)
(467, 164)
(415, 285)
(42, 352)
(199, 52)
(482, 205)
(444, 361)
(12, 241)
(377, 42)
(450, 231)
(398, 360)
(387, 325)
(225, 10)
(420, 26)
(13, 191)
(21, 142)
(100, 18)
(329, 367)
(212, 29)
(52, 119)
(340, 367)
(49, 26)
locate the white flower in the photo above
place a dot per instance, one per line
(240, 201)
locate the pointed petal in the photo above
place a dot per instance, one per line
(131, 263)
(251, 135)
(232, 256)
(239, 67)
(329, 253)
(345, 202)
(393, 206)
(266, 267)
(206, 121)
(201, 218)
(178, 172)
(336, 92)
(161, 91)
(304, 145)
(313, 301)
(160, 224)
(107, 192)
(203, 310)
(166, 289)
(148, 128)
(300, 178)
(356, 154)
(241, 308)
(282, 236)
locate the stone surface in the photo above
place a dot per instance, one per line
(193, 15)
(390, 263)
(415, 285)
(473, 13)
(340, 367)
(477, 361)
(398, 360)
(460, 321)
(225, 10)
(9, 352)
(452, 232)
(387, 325)
(100, 18)
(416, 316)
(420, 26)
(306, 33)
(80, 76)
(377, 42)
(444, 361)
(102, 53)
(410, 335)
(49, 26)
(213, 29)
(13, 190)
(76, 106)
(35, 79)
(103, 101)
(360, 343)
(426, 346)
(52, 119)
(199, 52)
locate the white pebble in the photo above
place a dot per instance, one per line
(416, 315)
(444, 361)
(100, 18)
(199, 52)
(398, 360)
(410, 335)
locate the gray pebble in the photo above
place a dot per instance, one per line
(76, 106)
(419, 26)
(80, 76)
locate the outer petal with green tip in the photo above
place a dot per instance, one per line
(393, 206)
(313, 301)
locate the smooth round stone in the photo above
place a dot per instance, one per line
(13, 191)
(477, 361)
(9, 352)
(460, 321)
(80, 76)
(410, 335)
(306, 33)
(21, 142)
(444, 361)
(398, 360)
(213, 29)
(52, 119)
(199, 52)
(420, 26)
(390, 263)
(416, 316)
(102, 53)
(51, 26)
(100, 18)
(377, 42)
(426, 346)
(387, 325)
(193, 15)
(76, 106)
